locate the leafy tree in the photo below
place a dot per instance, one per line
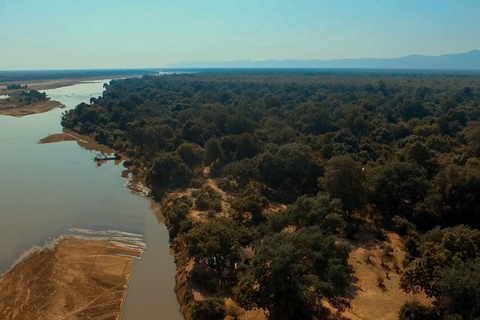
(242, 171)
(414, 310)
(191, 154)
(344, 179)
(291, 169)
(213, 150)
(168, 170)
(448, 270)
(312, 211)
(209, 309)
(214, 237)
(195, 132)
(291, 280)
(454, 197)
(399, 186)
(247, 146)
(251, 201)
(439, 248)
(425, 158)
(459, 287)
(207, 199)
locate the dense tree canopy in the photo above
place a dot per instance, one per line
(331, 145)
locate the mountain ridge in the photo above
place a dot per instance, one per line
(455, 61)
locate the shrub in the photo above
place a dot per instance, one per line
(414, 310)
(234, 311)
(207, 199)
(380, 280)
(209, 309)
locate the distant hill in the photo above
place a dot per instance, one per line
(459, 61)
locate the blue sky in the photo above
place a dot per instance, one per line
(65, 34)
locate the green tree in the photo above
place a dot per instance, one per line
(253, 202)
(414, 310)
(213, 150)
(320, 210)
(291, 280)
(167, 171)
(207, 199)
(191, 154)
(454, 197)
(344, 179)
(209, 309)
(214, 237)
(439, 248)
(292, 170)
(399, 186)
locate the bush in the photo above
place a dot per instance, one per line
(380, 280)
(209, 309)
(234, 311)
(205, 277)
(414, 310)
(207, 199)
(177, 216)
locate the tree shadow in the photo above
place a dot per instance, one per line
(383, 288)
(352, 289)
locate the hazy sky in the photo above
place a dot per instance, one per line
(65, 34)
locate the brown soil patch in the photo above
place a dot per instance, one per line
(78, 279)
(369, 299)
(11, 109)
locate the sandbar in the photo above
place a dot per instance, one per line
(11, 109)
(83, 141)
(76, 279)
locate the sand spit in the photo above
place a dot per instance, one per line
(83, 141)
(11, 109)
(81, 277)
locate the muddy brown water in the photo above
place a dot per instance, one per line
(47, 190)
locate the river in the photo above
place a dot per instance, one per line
(48, 189)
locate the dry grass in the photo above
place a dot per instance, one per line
(371, 299)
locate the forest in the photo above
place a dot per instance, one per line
(337, 149)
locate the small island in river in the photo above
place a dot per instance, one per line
(22, 101)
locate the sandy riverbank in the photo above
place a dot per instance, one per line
(10, 109)
(77, 279)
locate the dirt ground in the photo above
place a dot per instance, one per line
(370, 298)
(78, 279)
